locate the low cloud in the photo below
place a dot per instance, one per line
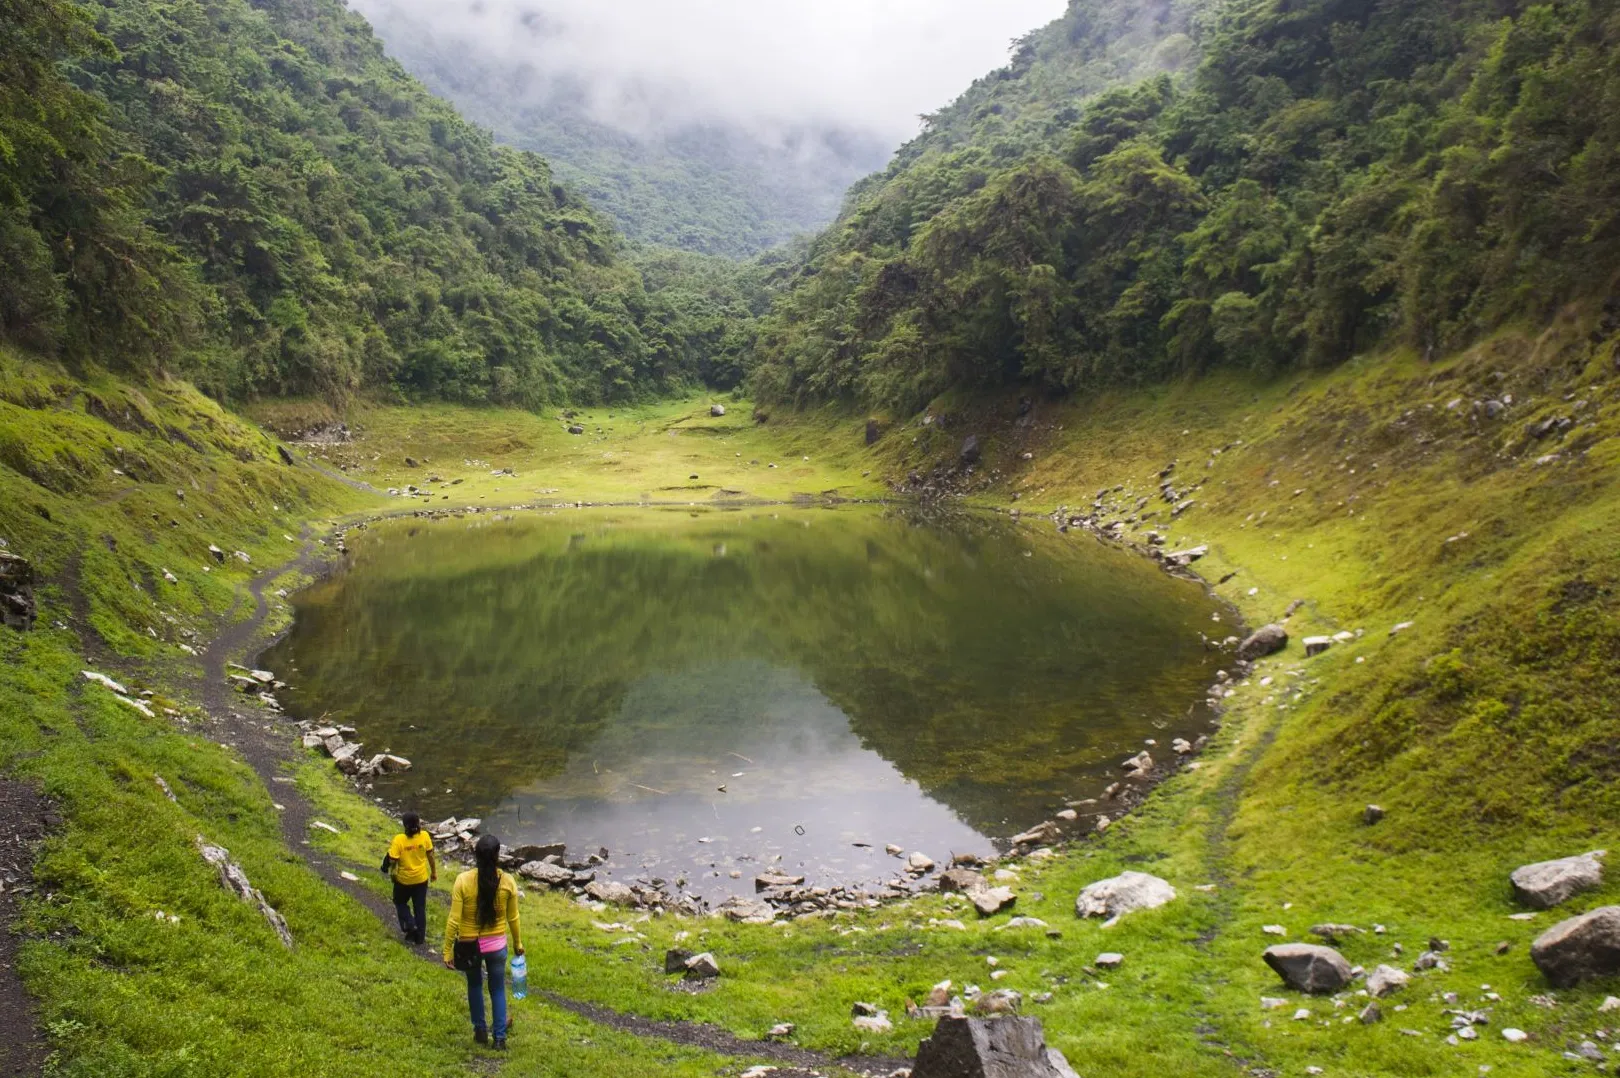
(870, 66)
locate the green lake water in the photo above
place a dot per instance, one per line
(852, 677)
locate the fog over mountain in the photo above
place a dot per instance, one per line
(717, 125)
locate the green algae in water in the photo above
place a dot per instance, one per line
(694, 689)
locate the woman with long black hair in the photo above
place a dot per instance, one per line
(413, 865)
(483, 913)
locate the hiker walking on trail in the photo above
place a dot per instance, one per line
(483, 912)
(414, 865)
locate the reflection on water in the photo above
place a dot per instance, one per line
(703, 693)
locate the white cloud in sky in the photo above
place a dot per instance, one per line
(868, 65)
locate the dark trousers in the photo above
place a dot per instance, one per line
(410, 902)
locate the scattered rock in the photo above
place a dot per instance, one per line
(1122, 894)
(745, 910)
(1333, 933)
(1386, 981)
(1515, 1035)
(1548, 883)
(1611, 1003)
(1001, 1001)
(18, 608)
(286, 455)
(963, 1047)
(1307, 967)
(1371, 1014)
(874, 431)
(877, 1023)
(1186, 557)
(1580, 948)
(1315, 645)
(920, 862)
(717, 410)
(1372, 814)
(575, 428)
(1140, 764)
(1109, 960)
(533, 851)
(105, 682)
(1266, 640)
(675, 960)
(970, 451)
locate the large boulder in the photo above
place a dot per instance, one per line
(17, 607)
(535, 851)
(717, 410)
(964, 880)
(1266, 640)
(989, 1048)
(1548, 883)
(990, 901)
(970, 450)
(1580, 948)
(1125, 893)
(1307, 967)
(614, 894)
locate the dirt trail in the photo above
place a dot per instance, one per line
(25, 819)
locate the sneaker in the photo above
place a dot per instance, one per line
(500, 1044)
(480, 1037)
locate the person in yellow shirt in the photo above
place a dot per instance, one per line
(483, 914)
(414, 865)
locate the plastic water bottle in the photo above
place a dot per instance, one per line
(520, 977)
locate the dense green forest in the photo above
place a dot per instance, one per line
(257, 197)
(716, 188)
(1177, 186)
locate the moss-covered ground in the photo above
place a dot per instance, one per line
(1378, 493)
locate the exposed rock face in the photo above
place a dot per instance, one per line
(1580, 948)
(1125, 893)
(1266, 640)
(1386, 981)
(989, 1048)
(1307, 967)
(1548, 883)
(234, 880)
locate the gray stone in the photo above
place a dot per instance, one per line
(1315, 645)
(575, 428)
(1125, 893)
(675, 960)
(1266, 640)
(536, 851)
(1109, 960)
(1307, 967)
(234, 880)
(767, 880)
(702, 967)
(964, 880)
(989, 1048)
(544, 872)
(746, 910)
(614, 894)
(717, 410)
(1372, 814)
(970, 452)
(1386, 981)
(999, 1001)
(990, 901)
(1580, 948)
(1548, 883)
(1039, 834)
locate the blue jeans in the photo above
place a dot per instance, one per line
(494, 966)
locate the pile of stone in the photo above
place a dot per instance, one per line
(349, 755)
(262, 685)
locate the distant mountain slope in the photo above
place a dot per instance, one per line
(712, 188)
(1149, 190)
(255, 196)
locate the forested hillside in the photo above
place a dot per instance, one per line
(255, 196)
(1246, 183)
(715, 188)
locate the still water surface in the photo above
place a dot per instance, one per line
(706, 692)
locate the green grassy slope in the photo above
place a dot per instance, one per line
(1486, 730)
